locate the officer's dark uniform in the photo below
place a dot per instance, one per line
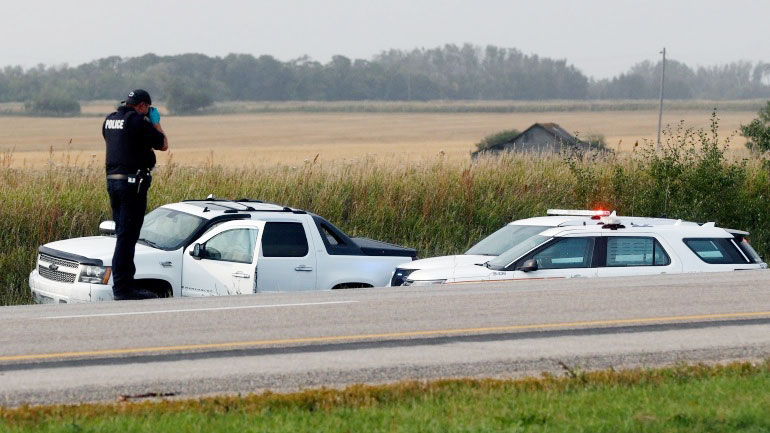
(130, 139)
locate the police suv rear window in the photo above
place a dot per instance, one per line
(752, 255)
(716, 251)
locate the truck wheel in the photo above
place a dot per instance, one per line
(159, 287)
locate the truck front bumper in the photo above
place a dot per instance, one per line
(46, 291)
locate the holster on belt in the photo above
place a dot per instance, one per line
(141, 175)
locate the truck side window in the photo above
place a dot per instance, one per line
(635, 251)
(330, 236)
(235, 245)
(284, 239)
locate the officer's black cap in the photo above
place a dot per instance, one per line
(137, 96)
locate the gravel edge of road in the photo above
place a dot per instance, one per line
(337, 379)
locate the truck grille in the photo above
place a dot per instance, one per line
(54, 268)
(61, 262)
(63, 277)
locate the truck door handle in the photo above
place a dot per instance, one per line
(240, 274)
(303, 268)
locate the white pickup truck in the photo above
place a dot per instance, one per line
(218, 247)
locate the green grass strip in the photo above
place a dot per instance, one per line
(684, 398)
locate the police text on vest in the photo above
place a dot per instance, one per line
(113, 124)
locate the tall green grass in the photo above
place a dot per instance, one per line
(441, 207)
(438, 208)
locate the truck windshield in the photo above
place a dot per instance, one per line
(168, 229)
(504, 239)
(526, 245)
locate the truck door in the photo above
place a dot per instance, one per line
(223, 261)
(287, 260)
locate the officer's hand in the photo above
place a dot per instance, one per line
(154, 115)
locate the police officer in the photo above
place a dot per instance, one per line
(130, 133)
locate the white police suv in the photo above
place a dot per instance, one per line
(604, 247)
(218, 247)
(511, 235)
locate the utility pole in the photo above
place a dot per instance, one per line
(660, 109)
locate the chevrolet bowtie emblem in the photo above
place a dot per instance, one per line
(53, 266)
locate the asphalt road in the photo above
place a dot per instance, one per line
(290, 341)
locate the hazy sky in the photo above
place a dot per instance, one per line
(600, 37)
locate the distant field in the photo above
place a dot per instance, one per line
(258, 134)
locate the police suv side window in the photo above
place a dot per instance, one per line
(284, 239)
(716, 251)
(566, 253)
(635, 251)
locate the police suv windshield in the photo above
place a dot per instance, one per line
(504, 239)
(168, 229)
(503, 260)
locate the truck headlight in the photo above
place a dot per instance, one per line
(409, 282)
(95, 274)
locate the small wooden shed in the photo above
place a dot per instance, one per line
(538, 138)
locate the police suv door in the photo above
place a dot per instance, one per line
(223, 261)
(287, 258)
(564, 257)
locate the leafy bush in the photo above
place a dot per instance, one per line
(53, 104)
(690, 178)
(186, 100)
(596, 141)
(758, 131)
(497, 138)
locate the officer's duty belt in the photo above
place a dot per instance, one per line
(142, 173)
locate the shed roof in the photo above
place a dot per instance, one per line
(557, 131)
(551, 128)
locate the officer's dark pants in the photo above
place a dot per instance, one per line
(129, 204)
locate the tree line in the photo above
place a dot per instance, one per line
(451, 72)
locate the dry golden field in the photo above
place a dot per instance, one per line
(291, 138)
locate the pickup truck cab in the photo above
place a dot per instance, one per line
(610, 247)
(218, 247)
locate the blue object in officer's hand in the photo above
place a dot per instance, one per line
(154, 115)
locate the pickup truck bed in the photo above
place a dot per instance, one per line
(371, 247)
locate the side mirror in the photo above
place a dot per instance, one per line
(107, 227)
(528, 266)
(198, 251)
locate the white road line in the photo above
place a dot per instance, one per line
(136, 313)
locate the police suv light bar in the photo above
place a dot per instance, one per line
(577, 212)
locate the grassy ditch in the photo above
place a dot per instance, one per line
(441, 207)
(730, 398)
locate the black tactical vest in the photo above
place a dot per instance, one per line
(130, 139)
